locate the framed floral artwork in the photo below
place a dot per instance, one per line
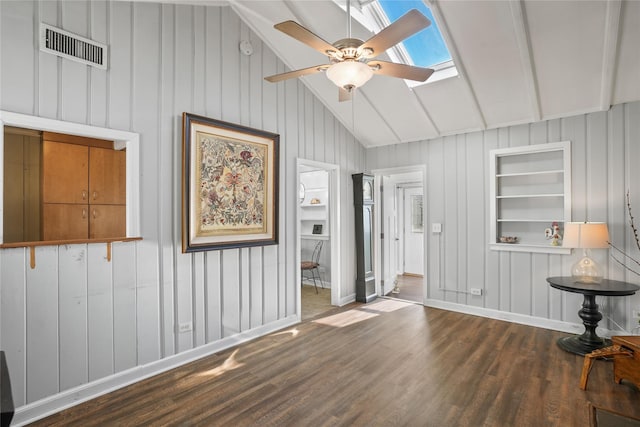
(229, 185)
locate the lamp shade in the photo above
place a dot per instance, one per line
(586, 235)
(349, 74)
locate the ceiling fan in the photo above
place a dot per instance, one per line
(350, 60)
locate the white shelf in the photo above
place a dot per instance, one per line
(529, 220)
(532, 196)
(549, 172)
(315, 205)
(314, 236)
(524, 247)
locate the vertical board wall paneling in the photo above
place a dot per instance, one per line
(288, 175)
(475, 224)
(48, 97)
(42, 332)
(230, 261)
(183, 102)
(279, 124)
(100, 313)
(99, 28)
(13, 307)
(492, 258)
(16, 44)
(72, 301)
(169, 200)
(604, 155)
(120, 55)
(125, 323)
(213, 290)
(78, 317)
(461, 194)
(146, 76)
(435, 191)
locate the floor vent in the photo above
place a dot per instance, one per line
(68, 45)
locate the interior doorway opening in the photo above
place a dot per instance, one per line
(401, 240)
(317, 237)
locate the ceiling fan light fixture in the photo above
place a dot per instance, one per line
(349, 74)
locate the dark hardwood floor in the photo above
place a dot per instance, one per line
(387, 363)
(409, 288)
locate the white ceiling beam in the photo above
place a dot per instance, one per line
(610, 52)
(526, 57)
(462, 73)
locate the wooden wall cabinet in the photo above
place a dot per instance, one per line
(530, 188)
(83, 192)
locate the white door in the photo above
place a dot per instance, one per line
(413, 232)
(390, 241)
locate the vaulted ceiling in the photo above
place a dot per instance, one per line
(519, 61)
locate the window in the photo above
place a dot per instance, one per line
(426, 48)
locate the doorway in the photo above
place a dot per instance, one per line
(317, 237)
(401, 243)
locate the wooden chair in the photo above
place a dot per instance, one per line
(312, 265)
(625, 351)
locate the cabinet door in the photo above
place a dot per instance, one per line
(65, 170)
(63, 221)
(107, 176)
(107, 221)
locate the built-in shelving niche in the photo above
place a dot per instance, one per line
(530, 189)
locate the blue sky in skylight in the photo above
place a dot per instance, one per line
(426, 48)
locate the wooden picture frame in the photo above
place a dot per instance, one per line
(229, 185)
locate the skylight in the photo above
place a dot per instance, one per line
(426, 48)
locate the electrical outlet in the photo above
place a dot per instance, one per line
(475, 291)
(635, 314)
(436, 227)
(185, 327)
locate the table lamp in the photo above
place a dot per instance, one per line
(586, 235)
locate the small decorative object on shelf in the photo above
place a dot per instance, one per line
(317, 229)
(553, 233)
(314, 201)
(508, 239)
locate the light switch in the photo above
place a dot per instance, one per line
(436, 227)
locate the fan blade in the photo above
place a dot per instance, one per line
(344, 95)
(405, 26)
(300, 33)
(402, 71)
(297, 73)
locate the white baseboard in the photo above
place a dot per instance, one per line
(348, 299)
(29, 413)
(523, 319)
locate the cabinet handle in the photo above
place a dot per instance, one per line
(84, 194)
(84, 213)
(95, 195)
(94, 214)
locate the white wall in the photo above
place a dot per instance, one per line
(605, 158)
(76, 317)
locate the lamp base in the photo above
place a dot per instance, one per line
(586, 271)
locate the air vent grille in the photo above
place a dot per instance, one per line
(71, 46)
